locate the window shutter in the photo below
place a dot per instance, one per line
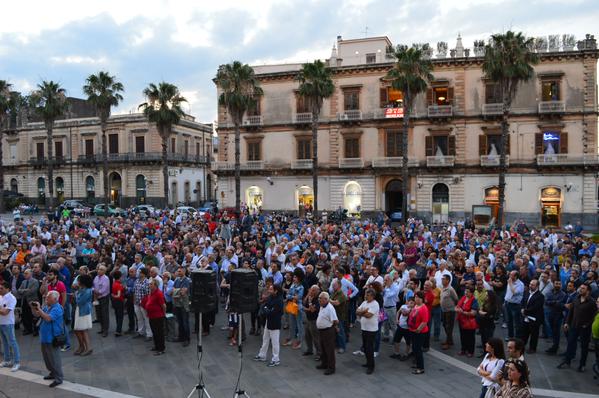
(429, 96)
(384, 99)
(451, 145)
(563, 143)
(482, 145)
(538, 143)
(428, 145)
(450, 95)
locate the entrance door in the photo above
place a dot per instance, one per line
(551, 206)
(440, 204)
(393, 196)
(115, 188)
(492, 199)
(305, 200)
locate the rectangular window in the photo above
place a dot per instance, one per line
(304, 149)
(551, 142)
(441, 96)
(254, 151)
(352, 147)
(440, 145)
(39, 150)
(58, 150)
(113, 143)
(393, 144)
(492, 93)
(186, 148)
(301, 104)
(13, 151)
(89, 147)
(140, 144)
(198, 149)
(255, 109)
(173, 145)
(371, 58)
(351, 100)
(550, 90)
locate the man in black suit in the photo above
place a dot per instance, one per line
(532, 314)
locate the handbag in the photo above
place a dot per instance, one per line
(58, 340)
(292, 308)
(382, 316)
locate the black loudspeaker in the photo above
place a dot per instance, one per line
(203, 291)
(244, 291)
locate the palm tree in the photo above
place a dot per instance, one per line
(410, 75)
(240, 91)
(49, 102)
(4, 121)
(316, 84)
(508, 62)
(163, 107)
(103, 91)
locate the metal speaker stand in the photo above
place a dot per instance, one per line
(239, 392)
(200, 387)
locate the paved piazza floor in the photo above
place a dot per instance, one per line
(124, 367)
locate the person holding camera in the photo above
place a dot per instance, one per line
(52, 335)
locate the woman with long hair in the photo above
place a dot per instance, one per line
(83, 312)
(518, 383)
(418, 325)
(490, 368)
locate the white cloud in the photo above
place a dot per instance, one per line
(143, 36)
(78, 59)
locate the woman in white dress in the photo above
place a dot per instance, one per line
(83, 314)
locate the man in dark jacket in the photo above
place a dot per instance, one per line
(532, 315)
(273, 309)
(554, 305)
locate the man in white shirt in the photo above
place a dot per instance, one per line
(442, 271)
(10, 347)
(368, 312)
(327, 325)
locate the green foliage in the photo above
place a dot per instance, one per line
(5, 98)
(316, 84)
(163, 106)
(411, 72)
(49, 101)
(240, 90)
(103, 91)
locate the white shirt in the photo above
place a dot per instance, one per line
(326, 317)
(372, 279)
(8, 301)
(439, 277)
(370, 324)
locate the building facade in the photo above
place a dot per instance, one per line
(453, 140)
(134, 161)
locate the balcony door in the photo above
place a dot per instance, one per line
(113, 143)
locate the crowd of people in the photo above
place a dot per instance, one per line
(317, 281)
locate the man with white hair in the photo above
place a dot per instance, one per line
(101, 287)
(51, 326)
(327, 324)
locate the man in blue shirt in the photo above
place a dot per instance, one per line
(51, 326)
(513, 301)
(181, 305)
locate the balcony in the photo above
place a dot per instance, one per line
(396, 161)
(546, 107)
(142, 157)
(440, 161)
(303, 118)
(252, 165)
(564, 159)
(351, 163)
(492, 109)
(492, 160)
(222, 166)
(440, 111)
(301, 164)
(43, 161)
(255, 120)
(350, 115)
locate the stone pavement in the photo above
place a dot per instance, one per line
(125, 365)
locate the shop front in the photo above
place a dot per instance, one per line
(551, 206)
(254, 197)
(352, 198)
(492, 200)
(305, 200)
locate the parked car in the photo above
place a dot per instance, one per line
(185, 211)
(78, 207)
(207, 206)
(144, 210)
(395, 215)
(100, 210)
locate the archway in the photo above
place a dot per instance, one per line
(254, 197)
(352, 197)
(394, 196)
(60, 189)
(41, 190)
(440, 201)
(14, 185)
(140, 188)
(90, 189)
(551, 206)
(116, 187)
(305, 199)
(492, 200)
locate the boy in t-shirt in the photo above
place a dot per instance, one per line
(402, 331)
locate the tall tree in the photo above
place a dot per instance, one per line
(163, 107)
(316, 84)
(103, 91)
(49, 102)
(240, 92)
(411, 75)
(4, 125)
(508, 62)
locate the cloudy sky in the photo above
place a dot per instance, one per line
(183, 42)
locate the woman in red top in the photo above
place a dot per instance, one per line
(155, 306)
(466, 309)
(118, 301)
(418, 325)
(429, 299)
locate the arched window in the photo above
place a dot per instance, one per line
(440, 203)
(41, 190)
(140, 188)
(352, 197)
(14, 185)
(60, 189)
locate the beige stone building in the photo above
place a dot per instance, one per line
(134, 161)
(453, 142)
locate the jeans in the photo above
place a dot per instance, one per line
(353, 306)
(340, 340)
(119, 313)
(436, 321)
(377, 339)
(585, 337)
(9, 344)
(368, 343)
(183, 322)
(390, 324)
(296, 327)
(102, 313)
(555, 322)
(547, 330)
(417, 341)
(130, 313)
(514, 319)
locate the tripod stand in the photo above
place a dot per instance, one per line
(238, 391)
(200, 387)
